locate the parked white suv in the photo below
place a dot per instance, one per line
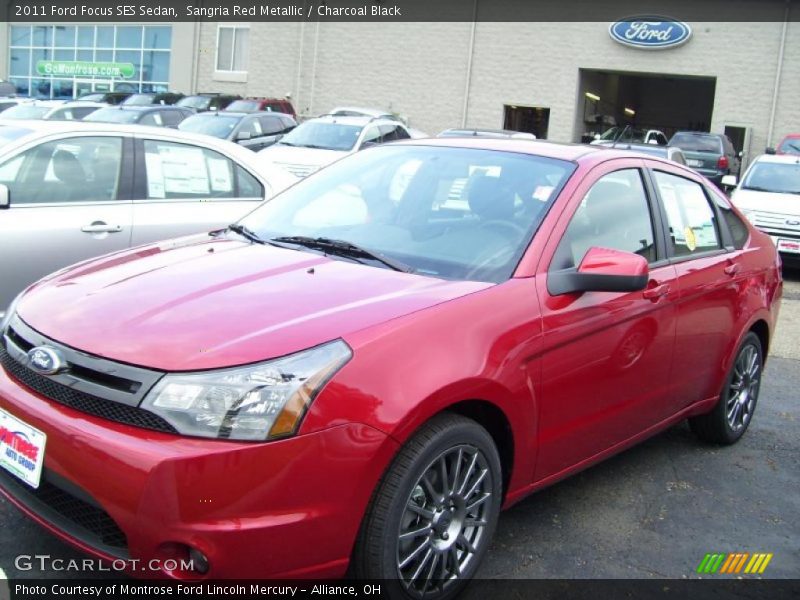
(318, 142)
(769, 195)
(74, 190)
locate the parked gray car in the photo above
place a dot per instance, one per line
(69, 191)
(710, 154)
(255, 131)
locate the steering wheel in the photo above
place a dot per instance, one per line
(507, 225)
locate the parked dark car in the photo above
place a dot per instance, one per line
(251, 130)
(105, 97)
(247, 105)
(148, 99)
(157, 116)
(206, 102)
(710, 154)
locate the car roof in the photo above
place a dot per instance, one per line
(699, 133)
(773, 158)
(559, 150)
(357, 121)
(370, 112)
(146, 107)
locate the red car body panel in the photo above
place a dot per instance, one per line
(550, 366)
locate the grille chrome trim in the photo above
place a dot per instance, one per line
(92, 375)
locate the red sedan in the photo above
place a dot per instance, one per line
(362, 372)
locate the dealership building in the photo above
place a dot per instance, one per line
(562, 81)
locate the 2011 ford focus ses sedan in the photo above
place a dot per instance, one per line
(363, 371)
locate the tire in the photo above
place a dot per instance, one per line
(737, 401)
(424, 538)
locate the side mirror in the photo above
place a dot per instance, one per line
(602, 270)
(769, 151)
(740, 154)
(728, 181)
(597, 136)
(242, 136)
(368, 144)
(5, 196)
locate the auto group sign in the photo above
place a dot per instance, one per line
(650, 33)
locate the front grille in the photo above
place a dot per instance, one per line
(99, 407)
(82, 518)
(776, 223)
(299, 170)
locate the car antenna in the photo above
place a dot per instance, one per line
(621, 133)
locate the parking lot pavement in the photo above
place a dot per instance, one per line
(653, 511)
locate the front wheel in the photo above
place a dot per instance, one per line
(434, 512)
(737, 402)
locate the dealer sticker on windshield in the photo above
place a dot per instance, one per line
(789, 246)
(21, 449)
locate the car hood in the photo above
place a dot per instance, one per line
(785, 204)
(291, 155)
(201, 303)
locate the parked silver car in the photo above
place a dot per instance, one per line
(74, 190)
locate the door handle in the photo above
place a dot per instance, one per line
(733, 269)
(101, 228)
(654, 293)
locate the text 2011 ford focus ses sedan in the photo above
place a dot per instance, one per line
(363, 371)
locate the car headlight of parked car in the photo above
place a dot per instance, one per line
(255, 402)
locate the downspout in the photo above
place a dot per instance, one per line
(778, 74)
(314, 70)
(300, 66)
(470, 56)
(196, 61)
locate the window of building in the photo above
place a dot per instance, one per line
(232, 48)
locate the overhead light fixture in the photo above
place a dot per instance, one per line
(592, 96)
(629, 111)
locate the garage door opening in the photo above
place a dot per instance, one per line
(530, 119)
(661, 101)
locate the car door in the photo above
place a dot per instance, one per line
(69, 201)
(709, 272)
(606, 362)
(182, 188)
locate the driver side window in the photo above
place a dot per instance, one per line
(614, 214)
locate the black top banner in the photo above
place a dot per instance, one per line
(395, 10)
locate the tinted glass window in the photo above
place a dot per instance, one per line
(271, 125)
(319, 134)
(70, 170)
(692, 142)
(183, 171)
(454, 213)
(218, 125)
(614, 214)
(247, 186)
(691, 219)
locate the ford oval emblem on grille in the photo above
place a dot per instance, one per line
(792, 222)
(45, 360)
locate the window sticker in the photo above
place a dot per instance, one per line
(184, 170)
(155, 176)
(220, 174)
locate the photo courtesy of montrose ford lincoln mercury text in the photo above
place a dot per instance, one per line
(357, 376)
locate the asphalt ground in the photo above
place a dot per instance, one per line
(651, 512)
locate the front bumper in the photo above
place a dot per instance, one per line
(288, 508)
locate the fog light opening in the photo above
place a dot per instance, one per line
(199, 561)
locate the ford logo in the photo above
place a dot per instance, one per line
(650, 32)
(792, 222)
(45, 360)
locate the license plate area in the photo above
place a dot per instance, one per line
(21, 449)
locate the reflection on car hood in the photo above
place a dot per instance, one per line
(787, 204)
(200, 302)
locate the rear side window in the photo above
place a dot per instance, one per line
(691, 219)
(271, 125)
(185, 172)
(697, 143)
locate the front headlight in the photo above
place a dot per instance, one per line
(256, 402)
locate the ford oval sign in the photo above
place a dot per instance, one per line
(45, 360)
(650, 33)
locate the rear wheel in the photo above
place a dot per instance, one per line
(737, 402)
(434, 513)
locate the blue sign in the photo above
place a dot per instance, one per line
(650, 32)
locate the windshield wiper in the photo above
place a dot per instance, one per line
(343, 248)
(246, 232)
(282, 143)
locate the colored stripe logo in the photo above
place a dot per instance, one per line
(734, 563)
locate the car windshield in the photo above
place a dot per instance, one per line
(113, 115)
(195, 102)
(11, 134)
(693, 142)
(790, 146)
(93, 97)
(629, 135)
(243, 106)
(773, 177)
(319, 134)
(139, 100)
(26, 111)
(451, 213)
(217, 125)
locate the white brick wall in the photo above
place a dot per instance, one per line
(419, 69)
